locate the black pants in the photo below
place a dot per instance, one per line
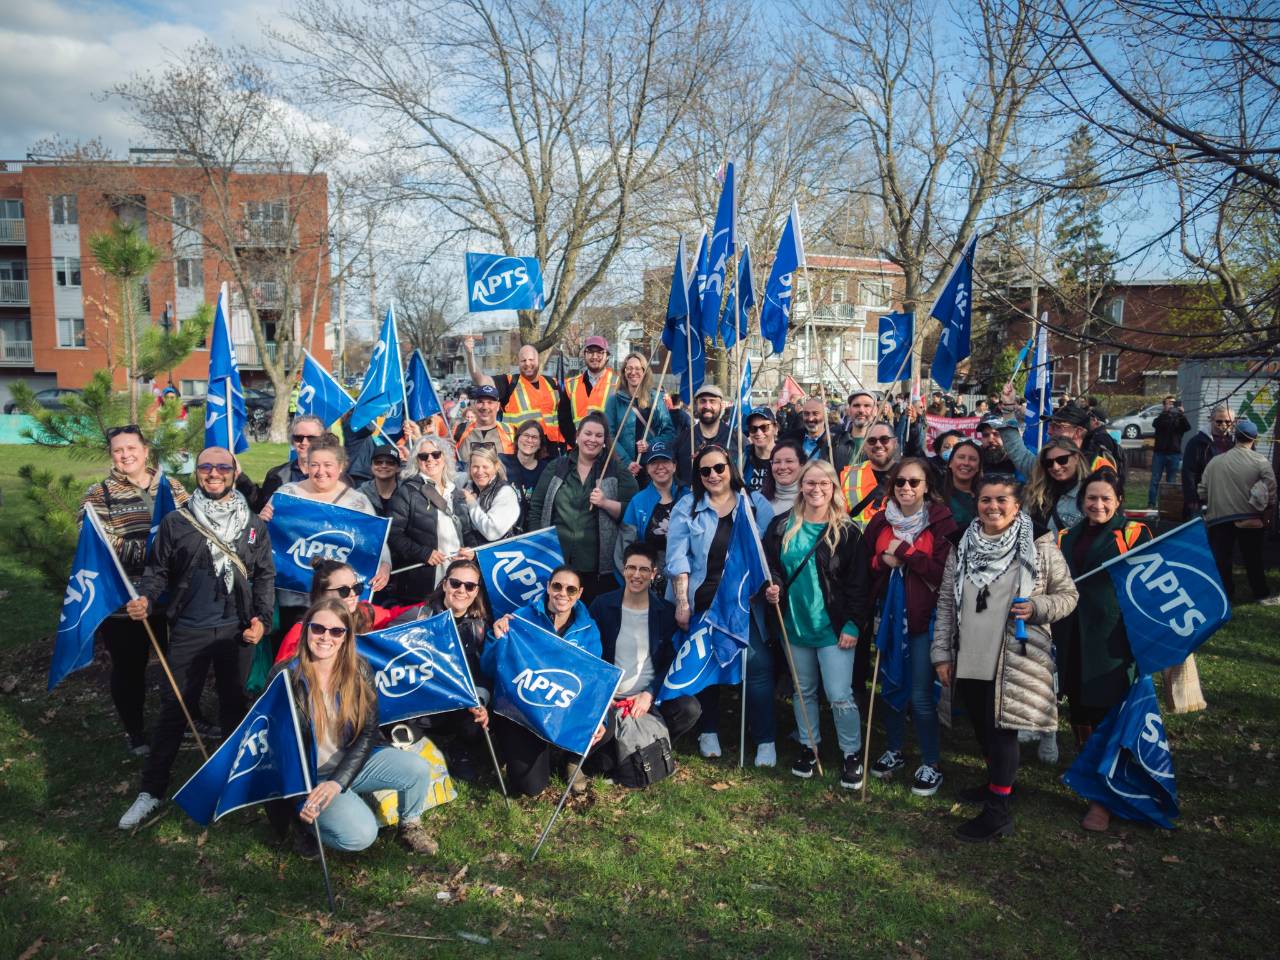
(191, 653)
(1223, 538)
(528, 757)
(130, 648)
(680, 715)
(999, 747)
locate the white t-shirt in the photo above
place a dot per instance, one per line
(631, 655)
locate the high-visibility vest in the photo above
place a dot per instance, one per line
(529, 401)
(506, 437)
(582, 402)
(1102, 460)
(1126, 536)
(858, 481)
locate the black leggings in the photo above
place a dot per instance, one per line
(528, 757)
(999, 746)
(130, 648)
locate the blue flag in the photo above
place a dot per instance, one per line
(516, 571)
(721, 249)
(497, 282)
(745, 572)
(739, 303)
(677, 308)
(775, 309)
(954, 310)
(688, 357)
(897, 331)
(302, 530)
(892, 642)
(1126, 765)
(738, 418)
(320, 395)
(225, 414)
(1171, 597)
(551, 687)
(419, 668)
(1037, 392)
(382, 394)
(262, 759)
(419, 392)
(96, 589)
(161, 507)
(694, 667)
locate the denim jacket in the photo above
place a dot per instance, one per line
(693, 527)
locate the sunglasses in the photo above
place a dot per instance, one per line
(208, 468)
(347, 590)
(716, 468)
(1061, 461)
(127, 428)
(468, 585)
(319, 630)
(1221, 423)
(565, 588)
(308, 437)
(428, 455)
(877, 441)
(759, 427)
(911, 482)
(386, 462)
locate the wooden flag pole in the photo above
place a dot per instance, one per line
(866, 736)
(657, 395)
(795, 682)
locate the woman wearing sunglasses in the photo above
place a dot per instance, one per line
(912, 534)
(338, 715)
(697, 546)
(1054, 487)
(430, 521)
(493, 506)
(560, 610)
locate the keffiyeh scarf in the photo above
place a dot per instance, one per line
(982, 560)
(226, 519)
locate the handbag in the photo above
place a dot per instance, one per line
(644, 750)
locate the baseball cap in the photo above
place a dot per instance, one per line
(386, 453)
(862, 393)
(1070, 414)
(764, 412)
(1247, 428)
(1099, 414)
(991, 420)
(596, 341)
(485, 391)
(658, 451)
(709, 390)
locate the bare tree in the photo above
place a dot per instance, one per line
(426, 308)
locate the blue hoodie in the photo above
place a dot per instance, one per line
(581, 631)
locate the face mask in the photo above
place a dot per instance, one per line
(946, 455)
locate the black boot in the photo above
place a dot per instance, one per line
(992, 823)
(979, 792)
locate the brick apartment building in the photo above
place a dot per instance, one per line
(53, 330)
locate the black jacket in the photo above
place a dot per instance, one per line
(1195, 458)
(412, 537)
(358, 751)
(1099, 442)
(1169, 426)
(606, 611)
(181, 549)
(276, 478)
(844, 575)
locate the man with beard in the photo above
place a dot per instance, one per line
(707, 427)
(526, 395)
(994, 458)
(864, 483)
(861, 411)
(212, 558)
(588, 391)
(814, 435)
(1216, 438)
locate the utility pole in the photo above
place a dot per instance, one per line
(342, 289)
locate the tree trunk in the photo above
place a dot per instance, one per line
(130, 346)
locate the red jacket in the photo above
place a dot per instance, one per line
(381, 617)
(922, 562)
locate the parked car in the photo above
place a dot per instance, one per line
(254, 399)
(51, 398)
(1137, 423)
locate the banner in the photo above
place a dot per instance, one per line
(419, 392)
(775, 308)
(261, 760)
(692, 363)
(320, 395)
(790, 392)
(382, 393)
(549, 686)
(419, 668)
(1126, 765)
(694, 667)
(302, 530)
(893, 642)
(897, 331)
(516, 571)
(954, 310)
(745, 572)
(721, 249)
(498, 282)
(225, 414)
(936, 426)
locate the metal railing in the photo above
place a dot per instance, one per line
(13, 230)
(14, 292)
(247, 354)
(268, 233)
(17, 353)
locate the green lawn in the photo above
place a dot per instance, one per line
(717, 862)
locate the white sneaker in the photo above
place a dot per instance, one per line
(142, 808)
(1048, 749)
(766, 755)
(709, 744)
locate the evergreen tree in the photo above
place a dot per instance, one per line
(124, 255)
(1085, 263)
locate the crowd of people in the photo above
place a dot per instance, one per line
(982, 533)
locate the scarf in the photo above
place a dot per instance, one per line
(906, 528)
(226, 519)
(982, 560)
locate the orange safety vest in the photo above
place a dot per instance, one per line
(533, 402)
(581, 402)
(1102, 460)
(1126, 537)
(505, 434)
(857, 482)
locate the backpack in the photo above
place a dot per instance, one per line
(644, 750)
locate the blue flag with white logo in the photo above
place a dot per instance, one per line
(738, 418)
(320, 395)
(688, 356)
(96, 589)
(161, 507)
(695, 666)
(549, 686)
(420, 393)
(419, 668)
(498, 282)
(1171, 597)
(739, 303)
(779, 292)
(225, 414)
(516, 571)
(1126, 765)
(382, 394)
(304, 530)
(745, 572)
(263, 759)
(677, 308)
(720, 250)
(892, 642)
(954, 310)
(1037, 391)
(897, 330)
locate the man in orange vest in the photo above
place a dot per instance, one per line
(588, 391)
(864, 483)
(526, 395)
(485, 430)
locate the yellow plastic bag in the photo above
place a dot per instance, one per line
(386, 803)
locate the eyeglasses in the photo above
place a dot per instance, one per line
(319, 630)
(305, 437)
(759, 427)
(1061, 461)
(208, 468)
(347, 590)
(818, 485)
(716, 468)
(565, 588)
(631, 569)
(127, 428)
(468, 585)
(428, 455)
(911, 482)
(878, 441)
(1221, 423)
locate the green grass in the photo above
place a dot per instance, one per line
(715, 862)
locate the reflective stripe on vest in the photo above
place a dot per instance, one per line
(527, 402)
(1125, 538)
(1102, 460)
(857, 482)
(581, 402)
(505, 435)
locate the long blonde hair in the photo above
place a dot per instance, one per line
(352, 694)
(644, 393)
(1040, 498)
(837, 517)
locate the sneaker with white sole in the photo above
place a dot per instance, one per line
(142, 808)
(766, 755)
(851, 776)
(1048, 749)
(805, 764)
(138, 744)
(927, 780)
(889, 763)
(709, 744)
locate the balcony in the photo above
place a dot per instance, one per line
(16, 353)
(270, 294)
(267, 233)
(13, 293)
(248, 357)
(13, 231)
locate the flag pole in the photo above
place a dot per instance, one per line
(866, 740)
(573, 777)
(742, 734)
(306, 780)
(795, 682)
(657, 394)
(497, 769)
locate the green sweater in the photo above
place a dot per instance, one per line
(807, 622)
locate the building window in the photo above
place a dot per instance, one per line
(1113, 312)
(875, 294)
(193, 388)
(264, 212)
(11, 209)
(837, 292)
(190, 272)
(13, 270)
(71, 332)
(186, 211)
(870, 349)
(63, 209)
(66, 271)
(1108, 367)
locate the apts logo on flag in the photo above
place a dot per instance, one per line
(406, 673)
(326, 544)
(547, 688)
(497, 282)
(255, 747)
(516, 571)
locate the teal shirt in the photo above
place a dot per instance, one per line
(808, 624)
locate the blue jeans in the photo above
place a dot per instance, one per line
(924, 709)
(1164, 466)
(348, 823)
(835, 668)
(761, 723)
